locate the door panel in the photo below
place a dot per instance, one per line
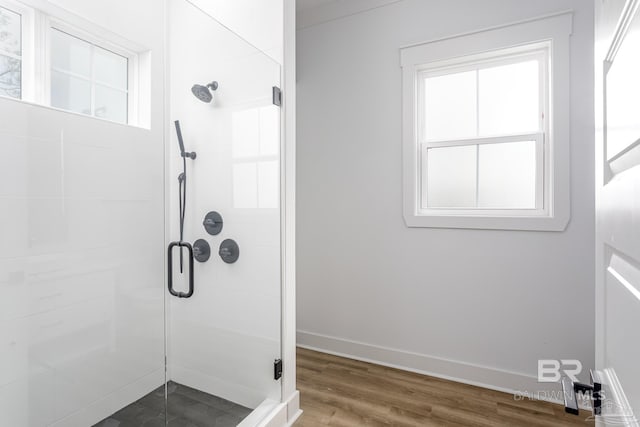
(224, 339)
(622, 311)
(617, 77)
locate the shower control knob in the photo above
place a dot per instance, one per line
(213, 223)
(201, 250)
(229, 251)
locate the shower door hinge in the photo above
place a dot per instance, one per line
(277, 96)
(277, 369)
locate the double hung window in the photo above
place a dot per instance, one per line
(485, 133)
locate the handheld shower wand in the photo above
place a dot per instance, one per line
(183, 153)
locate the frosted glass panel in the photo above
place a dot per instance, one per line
(70, 93)
(450, 106)
(451, 177)
(110, 68)
(10, 32)
(509, 99)
(84, 74)
(111, 104)
(507, 175)
(70, 54)
(10, 77)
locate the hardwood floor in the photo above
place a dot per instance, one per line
(335, 391)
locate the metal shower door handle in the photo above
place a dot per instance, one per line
(170, 269)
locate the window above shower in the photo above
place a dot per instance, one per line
(87, 78)
(68, 64)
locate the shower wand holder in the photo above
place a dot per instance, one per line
(191, 155)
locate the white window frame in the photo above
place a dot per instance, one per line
(534, 37)
(37, 21)
(50, 24)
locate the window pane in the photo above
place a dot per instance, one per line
(509, 99)
(111, 104)
(507, 175)
(70, 93)
(450, 106)
(70, 54)
(10, 32)
(110, 68)
(451, 177)
(10, 77)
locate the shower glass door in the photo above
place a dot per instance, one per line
(222, 342)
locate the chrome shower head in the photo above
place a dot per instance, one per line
(203, 93)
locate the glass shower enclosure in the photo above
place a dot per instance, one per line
(225, 339)
(90, 334)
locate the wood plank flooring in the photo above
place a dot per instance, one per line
(335, 391)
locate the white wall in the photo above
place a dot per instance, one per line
(82, 253)
(481, 306)
(313, 12)
(226, 337)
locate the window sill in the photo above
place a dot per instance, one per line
(524, 223)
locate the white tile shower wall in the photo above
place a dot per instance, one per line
(81, 258)
(224, 339)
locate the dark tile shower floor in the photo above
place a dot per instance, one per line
(186, 407)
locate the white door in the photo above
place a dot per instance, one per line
(617, 77)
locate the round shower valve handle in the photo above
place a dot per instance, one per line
(201, 250)
(229, 251)
(213, 223)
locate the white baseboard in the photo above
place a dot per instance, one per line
(269, 408)
(294, 419)
(522, 386)
(293, 408)
(282, 415)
